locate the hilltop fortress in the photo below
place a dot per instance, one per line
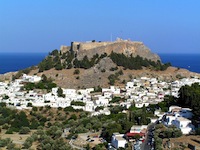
(126, 47)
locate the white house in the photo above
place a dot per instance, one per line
(69, 91)
(182, 112)
(141, 104)
(105, 111)
(102, 101)
(49, 97)
(85, 91)
(184, 124)
(107, 94)
(27, 78)
(169, 118)
(54, 91)
(171, 108)
(118, 140)
(113, 89)
(159, 114)
(138, 128)
(89, 106)
(153, 120)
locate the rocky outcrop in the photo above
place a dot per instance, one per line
(120, 46)
(125, 47)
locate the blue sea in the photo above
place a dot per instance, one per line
(18, 61)
(188, 61)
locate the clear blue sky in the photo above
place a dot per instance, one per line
(165, 26)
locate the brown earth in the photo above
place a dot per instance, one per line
(16, 138)
(96, 76)
(182, 142)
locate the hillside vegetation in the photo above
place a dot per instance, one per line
(68, 60)
(48, 124)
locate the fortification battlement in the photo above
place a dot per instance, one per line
(79, 46)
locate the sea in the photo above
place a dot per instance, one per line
(190, 62)
(10, 62)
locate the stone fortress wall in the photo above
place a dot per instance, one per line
(91, 45)
(119, 46)
(80, 46)
(64, 48)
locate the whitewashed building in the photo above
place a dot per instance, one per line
(118, 140)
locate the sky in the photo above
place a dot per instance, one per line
(165, 26)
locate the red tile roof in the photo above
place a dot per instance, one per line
(133, 134)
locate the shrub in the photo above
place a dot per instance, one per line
(34, 108)
(4, 142)
(70, 109)
(103, 70)
(76, 71)
(9, 131)
(27, 144)
(99, 108)
(77, 103)
(5, 126)
(113, 68)
(29, 105)
(115, 100)
(120, 72)
(24, 130)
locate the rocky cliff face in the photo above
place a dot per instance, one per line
(120, 46)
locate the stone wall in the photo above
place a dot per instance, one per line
(91, 45)
(64, 48)
(120, 46)
(125, 47)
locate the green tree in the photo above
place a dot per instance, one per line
(20, 120)
(24, 130)
(34, 123)
(189, 96)
(46, 64)
(29, 105)
(27, 144)
(77, 103)
(5, 97)
(136, 62)
(60, 92)
(54, 52)
(73, 116)
(58, 66)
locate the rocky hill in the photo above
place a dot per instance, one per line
(96, 76)
(94, 64)
(126, 47)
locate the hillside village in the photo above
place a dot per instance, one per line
(142, 91)
(110, 100)
(139, 92)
